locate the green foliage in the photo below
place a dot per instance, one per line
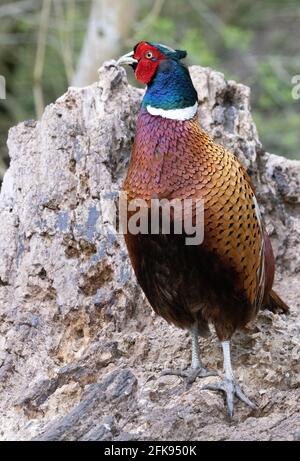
(272, 91)
(236, 38)
(160, 29)
(280, 132)
(198, 50)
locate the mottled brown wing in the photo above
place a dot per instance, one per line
(233, 226)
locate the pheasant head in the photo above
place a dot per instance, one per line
(169, 85)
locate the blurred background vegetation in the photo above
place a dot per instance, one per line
(46, 45)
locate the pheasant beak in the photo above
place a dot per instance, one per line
(127, 59)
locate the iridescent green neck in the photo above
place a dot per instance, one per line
(171, 87)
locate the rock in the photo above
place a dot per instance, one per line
(113, 391)
(80, 349)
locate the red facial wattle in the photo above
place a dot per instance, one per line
(148, 58)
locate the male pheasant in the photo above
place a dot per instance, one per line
(227, 278)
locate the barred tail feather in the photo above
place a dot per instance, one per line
(275, 304)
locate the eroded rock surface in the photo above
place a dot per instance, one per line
(80, 349)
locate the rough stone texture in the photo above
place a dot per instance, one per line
(80, 349)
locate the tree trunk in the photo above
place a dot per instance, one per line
(109, 25)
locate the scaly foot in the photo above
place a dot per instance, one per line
(196, 370)
(190, 374)
(231, 389)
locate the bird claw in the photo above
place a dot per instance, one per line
(231, 389)
(190, 374)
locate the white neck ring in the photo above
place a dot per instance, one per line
(174, 114)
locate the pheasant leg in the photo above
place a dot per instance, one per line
(229, 385)
(196, 370)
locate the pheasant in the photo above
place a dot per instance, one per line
(227, 278)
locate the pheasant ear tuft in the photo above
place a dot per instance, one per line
(180, 54)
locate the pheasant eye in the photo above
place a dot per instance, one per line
(148, 55)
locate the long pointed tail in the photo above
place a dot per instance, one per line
(275, 304)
